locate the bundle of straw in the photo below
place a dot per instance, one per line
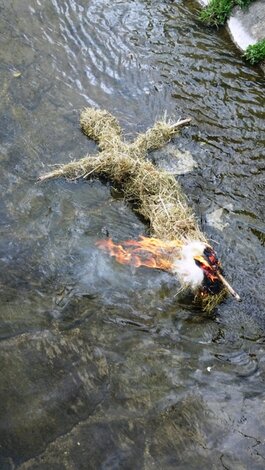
(157, 194)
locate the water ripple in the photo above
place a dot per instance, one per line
(92, 351)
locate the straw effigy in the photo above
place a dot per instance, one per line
(156, 193)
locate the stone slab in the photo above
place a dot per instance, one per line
(246, 27)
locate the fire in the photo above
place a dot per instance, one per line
(211, 269)
(150, 252)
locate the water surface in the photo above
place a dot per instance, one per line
(102, 365)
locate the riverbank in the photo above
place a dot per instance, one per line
(246, 27)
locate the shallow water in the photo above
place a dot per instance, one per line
(102, 366)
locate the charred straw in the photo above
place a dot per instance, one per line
(157, 194)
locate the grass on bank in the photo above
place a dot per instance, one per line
(218, 11)
(255, 53)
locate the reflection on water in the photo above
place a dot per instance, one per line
(102, 365)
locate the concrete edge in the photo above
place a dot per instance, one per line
(246, 27)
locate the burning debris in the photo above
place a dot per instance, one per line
(195, 263)
(179, 246)
(149, 252)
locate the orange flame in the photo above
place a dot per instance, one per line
(149, 252)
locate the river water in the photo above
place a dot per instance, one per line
(103, 366)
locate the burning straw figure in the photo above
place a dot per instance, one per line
(177, 245)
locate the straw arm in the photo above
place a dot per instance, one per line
(74, 170)
(158, 135)
(181, 123)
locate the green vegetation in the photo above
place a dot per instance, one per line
(255, 53)
(218, 11)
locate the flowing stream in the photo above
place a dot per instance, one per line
(103, 366)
